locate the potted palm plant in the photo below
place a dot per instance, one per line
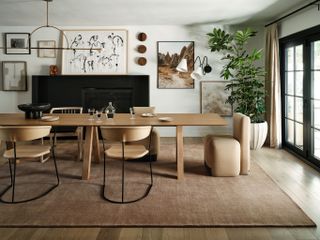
(247, 92)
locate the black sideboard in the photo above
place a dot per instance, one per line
(92, 91)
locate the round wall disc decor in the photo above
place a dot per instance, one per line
(142, 48)
(142, 61)
(142, 36)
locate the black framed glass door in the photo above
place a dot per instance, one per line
(315, 99)
(300, 76)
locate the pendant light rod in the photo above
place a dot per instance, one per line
(47, 12)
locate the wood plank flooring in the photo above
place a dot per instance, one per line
(297, 179)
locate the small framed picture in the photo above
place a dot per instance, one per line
(47, 49)
(214, 97)
(14, 76)
(17, 43)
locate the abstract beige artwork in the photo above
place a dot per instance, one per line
(214, 97)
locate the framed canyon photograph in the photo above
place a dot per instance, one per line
(170, 54)
(95, 52)
(213, 98)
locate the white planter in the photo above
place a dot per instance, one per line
(259, 133)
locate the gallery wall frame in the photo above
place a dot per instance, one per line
(213, 97)
(44, 50)
(169, 54)
(14, 76)
(112, 58)
(17, 43)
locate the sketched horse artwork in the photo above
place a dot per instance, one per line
(103, 52)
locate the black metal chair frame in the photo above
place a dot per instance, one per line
(123, 176)
(13, 178)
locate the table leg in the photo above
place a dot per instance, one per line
(87, 152)
(179, 152)
(96, 145)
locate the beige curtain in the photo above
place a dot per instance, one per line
(273, 98)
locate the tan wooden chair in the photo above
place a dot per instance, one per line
(155, 143)
(124, 152)
(15, 134)
(78, 131)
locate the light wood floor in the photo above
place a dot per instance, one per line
(298, 180)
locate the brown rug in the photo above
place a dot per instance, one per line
(199, 200)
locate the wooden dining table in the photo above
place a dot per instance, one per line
(91, 145)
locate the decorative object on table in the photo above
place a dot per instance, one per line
(14, 76)
(34, 110)
(53, 70)
(17, 43)
(214, 96)
(142, 36)
(170, 53)
(132, 113)
(110, 110)
(141, 49)
(47, 49)
(247, 79)
(165, 119)
(111, 59)
(142, 61)
(50, 118)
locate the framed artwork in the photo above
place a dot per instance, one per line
(17, 43)
(214, 97)
(14, 76)
(95, 52)
(170, 53)
(44, 50)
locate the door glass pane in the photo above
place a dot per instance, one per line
(316, 144)
(299, 58)
(290, 132)
(316, 114)
(290, 107)
(299, 109)
(299, 84)
(316, 84)
(290, 83)
(289, 59)
(316, 55)
(299, 135)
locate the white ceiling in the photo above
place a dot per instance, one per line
(142, 12)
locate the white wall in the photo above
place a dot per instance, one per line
(165, 100)
(299, 21)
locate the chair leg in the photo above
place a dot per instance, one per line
(10, 169)
(14, 170)
(150, 166)
(122, 187)
(55, 164)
